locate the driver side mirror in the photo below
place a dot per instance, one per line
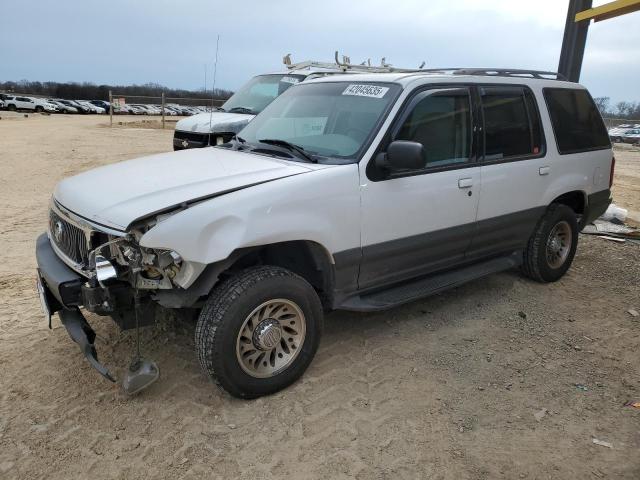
(402, 155)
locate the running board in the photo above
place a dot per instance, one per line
(425, 286)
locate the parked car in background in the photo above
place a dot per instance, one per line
(631, 136)
(619, 129)
(17, 102)
(43, 105)
(62, 108)
(71, 103)
(119, 109)
(618, 134)
(173, 109)
(92, 108)
(135, 110)
(168, 111)
(1, 104)
(217, 127)
(101, 104)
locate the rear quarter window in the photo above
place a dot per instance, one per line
(577, 124)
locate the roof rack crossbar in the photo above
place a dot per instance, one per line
(509, 72)
(346, 66)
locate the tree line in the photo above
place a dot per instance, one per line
(91, 91)
(626, 110)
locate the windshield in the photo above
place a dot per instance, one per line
(328, 119)
(259, 92)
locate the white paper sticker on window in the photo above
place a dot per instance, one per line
(373, 91)
(290, 80)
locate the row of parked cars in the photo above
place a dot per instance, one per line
(626, 133)
(59, 105)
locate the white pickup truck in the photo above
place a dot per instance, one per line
(217, 127)
(355, 192)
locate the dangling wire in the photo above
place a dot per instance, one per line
(213, 87)
(136, 301)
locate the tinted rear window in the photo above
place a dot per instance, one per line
(576, 121)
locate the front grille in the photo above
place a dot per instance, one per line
(194, 137)
(70, 239)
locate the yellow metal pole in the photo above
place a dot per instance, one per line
(609, 10)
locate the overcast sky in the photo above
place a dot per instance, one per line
(170, 41)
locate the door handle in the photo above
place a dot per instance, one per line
(465, 183)
(544, 170)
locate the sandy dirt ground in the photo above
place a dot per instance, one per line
(501, 378)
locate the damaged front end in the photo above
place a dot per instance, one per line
(104, 271)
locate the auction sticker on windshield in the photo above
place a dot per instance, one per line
(373, 91)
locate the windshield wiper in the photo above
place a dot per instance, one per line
(291, 147)
(241, 110)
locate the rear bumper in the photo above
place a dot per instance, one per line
(597, 204)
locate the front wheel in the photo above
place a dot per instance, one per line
(259, 331)
(552, 245)
(39, 109)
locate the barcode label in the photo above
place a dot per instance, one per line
(373, 91)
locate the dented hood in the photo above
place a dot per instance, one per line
(214, 122)
(116, 195)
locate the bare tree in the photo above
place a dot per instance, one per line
(603, 104)
(90, 91)
(623, 108)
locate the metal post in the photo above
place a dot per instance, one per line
(110, 109)
(574, 41)
(163, 110)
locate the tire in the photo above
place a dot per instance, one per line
(39, 109)
(240, 305)
(545, 259)
(11, 107)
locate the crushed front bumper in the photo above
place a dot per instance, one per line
(59, 289)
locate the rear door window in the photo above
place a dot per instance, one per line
(511, 123)
(577, 124)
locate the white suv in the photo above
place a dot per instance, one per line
(15, 102)
(28, 103)
(355, 192)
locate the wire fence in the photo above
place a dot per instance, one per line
(163, 106)
(616, 122)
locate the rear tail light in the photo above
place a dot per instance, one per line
(613, 167)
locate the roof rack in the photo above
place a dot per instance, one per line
(503, 72)
(384, 67)
(498, 72)
(346, 65)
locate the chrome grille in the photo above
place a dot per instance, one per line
(70, 239)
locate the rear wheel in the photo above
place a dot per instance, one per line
(552, 246)
(11, 107)
(259, 331)
(39, 109)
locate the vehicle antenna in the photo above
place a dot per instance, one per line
(213, 87)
